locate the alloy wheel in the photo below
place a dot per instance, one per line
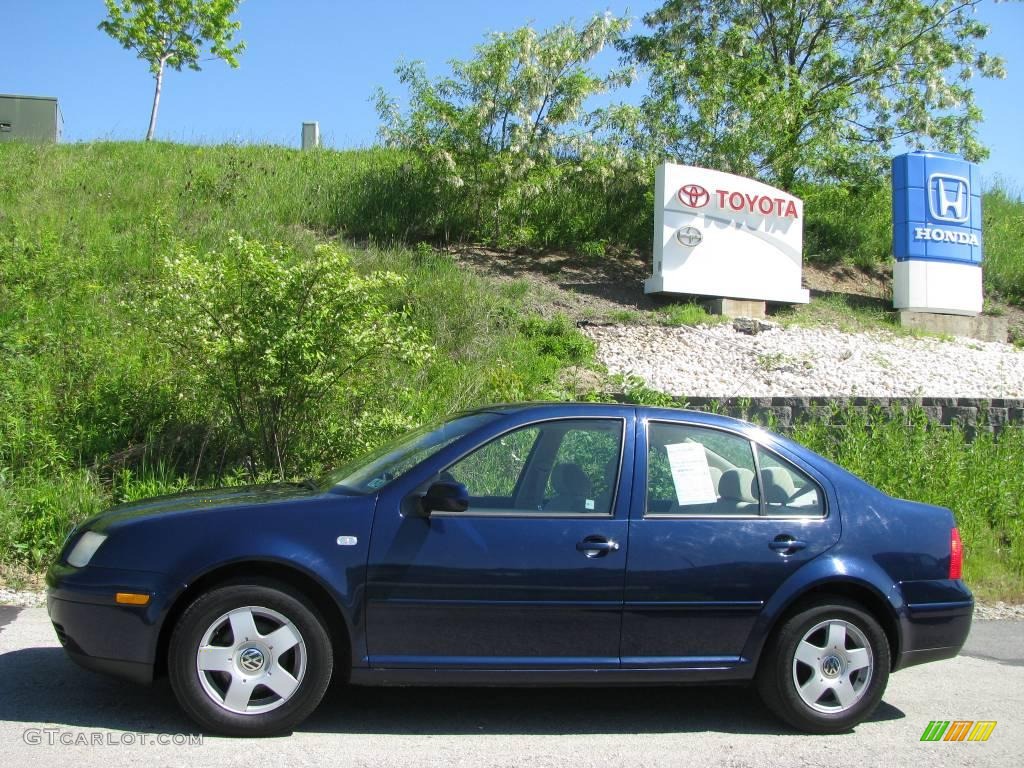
(832, 666)
(251, 660)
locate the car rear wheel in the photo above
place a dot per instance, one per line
(826, 668)
(250, 659)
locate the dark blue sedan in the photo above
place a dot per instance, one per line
(538, 544)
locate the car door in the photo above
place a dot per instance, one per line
(717, 524)
(530, 575)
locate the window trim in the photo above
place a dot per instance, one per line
(755, 447)
(610, 514)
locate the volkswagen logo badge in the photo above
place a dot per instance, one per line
(251, 659)
(693, 196)
(831, 666)
(689, 236)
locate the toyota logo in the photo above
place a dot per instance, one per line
(251, 659)
(689, 236)
(693, 195)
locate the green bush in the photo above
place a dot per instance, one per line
(851, 224)
(94, 411)
(278, 338)
(908, 456)
(1003, 267)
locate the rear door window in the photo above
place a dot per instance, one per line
(700, 471)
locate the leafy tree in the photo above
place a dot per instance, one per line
(504, 127)
(172, 33)
(808, 88)
(278, 339)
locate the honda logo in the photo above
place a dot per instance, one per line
(949, 198)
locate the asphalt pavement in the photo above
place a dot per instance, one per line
(53, 713)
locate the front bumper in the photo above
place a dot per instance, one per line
(99, 634)
(936, 621)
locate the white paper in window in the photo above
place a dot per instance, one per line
(691, 474)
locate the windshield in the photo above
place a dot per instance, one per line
(374, 470)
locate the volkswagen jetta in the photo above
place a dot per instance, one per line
(535, 544)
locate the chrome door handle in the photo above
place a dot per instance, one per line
(786, 544)
(596, 546)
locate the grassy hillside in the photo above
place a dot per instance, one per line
(94, 410)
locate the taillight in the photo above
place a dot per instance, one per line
(956, 555)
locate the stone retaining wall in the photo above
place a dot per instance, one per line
(970, 413)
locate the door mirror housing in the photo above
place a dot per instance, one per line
(445, 496)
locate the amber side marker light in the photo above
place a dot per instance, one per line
(131, 598)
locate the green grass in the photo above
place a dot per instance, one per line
(687, 313)
(93, 412)
(848, 313)
(979, 479)
(1003, 267)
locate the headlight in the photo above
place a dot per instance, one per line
(85, 548)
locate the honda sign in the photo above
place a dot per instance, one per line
(936, 206)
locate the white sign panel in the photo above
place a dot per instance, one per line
(691, 475)
(717, 234)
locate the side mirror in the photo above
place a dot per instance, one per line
(445, 496)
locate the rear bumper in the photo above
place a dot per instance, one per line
(96, 632)
(934, 629)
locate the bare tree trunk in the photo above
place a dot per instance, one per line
(156, 103)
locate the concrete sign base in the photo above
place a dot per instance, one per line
(982, 327)
(736, 308)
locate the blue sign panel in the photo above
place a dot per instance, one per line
(936, 208)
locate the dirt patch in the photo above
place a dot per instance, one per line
(610, 289)
(841, 278)
(581, 288)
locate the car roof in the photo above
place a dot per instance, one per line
(536, 408)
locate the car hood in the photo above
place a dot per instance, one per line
(198, 501)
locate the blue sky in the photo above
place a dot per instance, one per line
(322, 59)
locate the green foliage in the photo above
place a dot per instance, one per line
(907, 456)
(1003, 268)
(93, 411)
(687, 313)
(506, 128)
(173, 33)
(847, 222)
(814, 89)
(277, 337)
(844, 312)
(558, 339)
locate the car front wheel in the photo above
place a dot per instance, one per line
(826, 667)
(250, 659)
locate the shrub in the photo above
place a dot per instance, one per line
(507, 127)
(274, 337)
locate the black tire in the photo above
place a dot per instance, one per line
(780, 678)
(204, 695)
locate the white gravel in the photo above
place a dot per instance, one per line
(719, 361)
(24, 598)
(998, 611)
